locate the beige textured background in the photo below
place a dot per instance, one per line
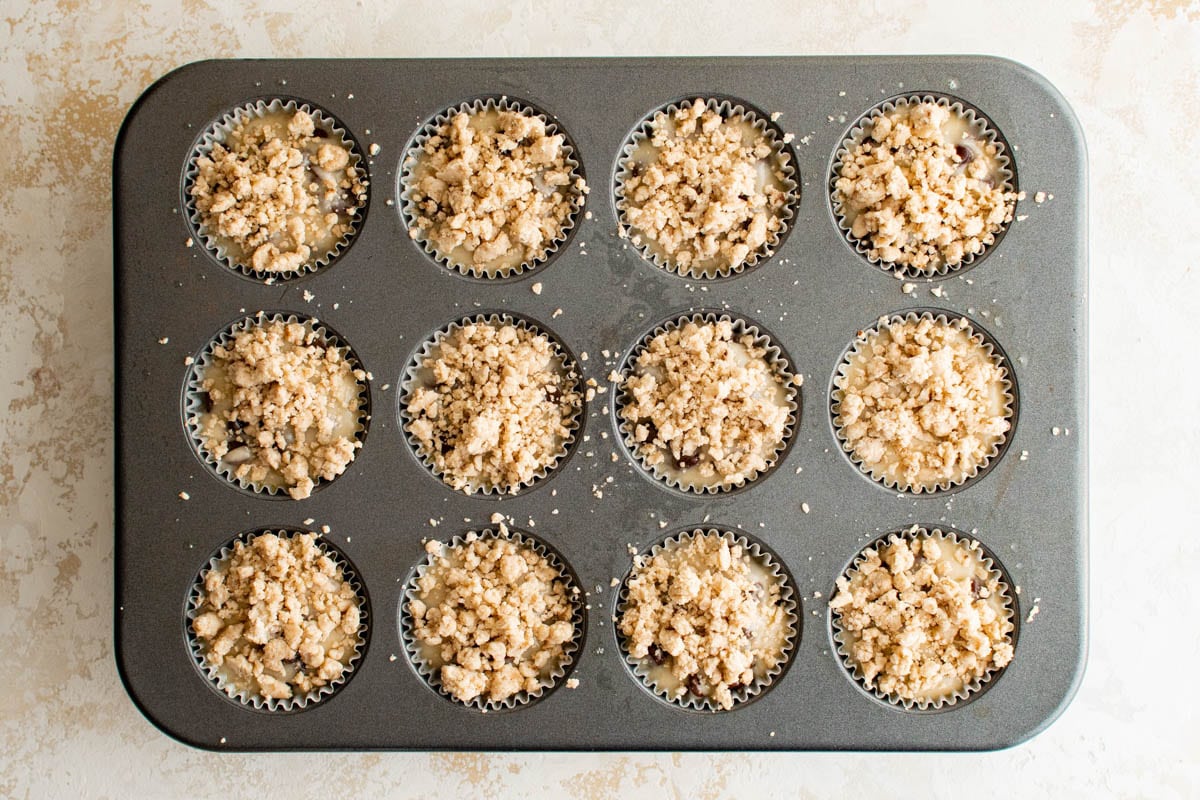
(70, 69)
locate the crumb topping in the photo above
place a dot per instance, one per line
(277, 617)
(493, 617)
(493, 406)
(706, 404)
(706, 617)
(492, 190)
(923, 189)
(279, 193)
(922, 402)
(282, 407)
(706, 190)
(924, 617)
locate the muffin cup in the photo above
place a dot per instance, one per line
(412, 153)
(775, 357)
(571, 649)
(969, 690)
(994, 352)
(983, 129)
(194, 403)
(781, 154)
(642, 668)
(244, 696)
(219, 132)
(411, 381)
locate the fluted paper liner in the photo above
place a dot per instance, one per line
(415, 150)
(411, 381)
(775, 358)
(990, 348)
(193, 403)
(219, 132)
(642, 667)
(244, 695)
(571, 649)
(969, 690)
(980, 125)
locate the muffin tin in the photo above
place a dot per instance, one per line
(815, 511)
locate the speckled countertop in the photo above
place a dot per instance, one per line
(69, 71)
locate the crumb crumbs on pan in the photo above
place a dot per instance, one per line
(184, 496)
(164, 340)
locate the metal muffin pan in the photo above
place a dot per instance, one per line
(812, 295)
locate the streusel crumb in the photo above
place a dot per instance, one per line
(923, 189)
(277, 617)
(492, 406)
(706, 191)
(707, 618)
(279, 193)
(492, 190)
(706, 404)
(922, 402)
(923, 617)
(492, 617)
(283, 407)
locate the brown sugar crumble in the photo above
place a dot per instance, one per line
(922, 402)
(706, 404)
(923, 189)
(493, 190)
(923, 617)
(280, 193)
(277, 618)
(492, 617)
(705, 618)
(493, 406)
(282, 407)
(706, 192)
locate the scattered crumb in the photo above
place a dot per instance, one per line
(184, 496)
(536, 288)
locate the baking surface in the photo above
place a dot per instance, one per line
(68, 77)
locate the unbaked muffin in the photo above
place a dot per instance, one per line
(275, 618)
(706, 190)
(922, 402)
(705, 404)
(492, 405)
(494, 621)
(493, 189)
(924, 618)
(281, 405)
(924, 189)
(280, 192)
(703, 619)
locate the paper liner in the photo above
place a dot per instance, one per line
(571, 649)
(990, 348)
(219, 131)
(774, 356)
(968, 691)
(193, 403)
(412, 153)
(410, 381)
(252, 699)
(982, 127)
(781, 154)
(641, 667)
